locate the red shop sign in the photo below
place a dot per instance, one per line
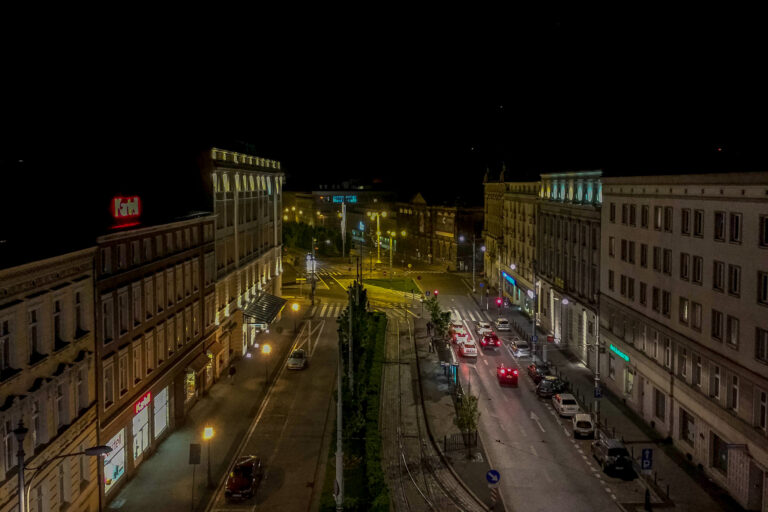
(143, 402)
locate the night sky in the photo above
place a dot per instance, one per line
(424, 102)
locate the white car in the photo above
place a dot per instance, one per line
(565, 404)
(468, 349)
(583, 426)
(482, 326)
(520, 348)
(297, 360)
(502, 324)
(460, 335)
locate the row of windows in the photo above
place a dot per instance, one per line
(138, 252)
(579, 232)
(726, 225)
(224, 182)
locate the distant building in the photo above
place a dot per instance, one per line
(684, 317)
(47, 367)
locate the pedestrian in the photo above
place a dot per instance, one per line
(232, 372)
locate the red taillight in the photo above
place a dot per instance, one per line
(514, 371)
(502, 371)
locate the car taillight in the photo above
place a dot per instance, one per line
(514, 371)
(503, 371)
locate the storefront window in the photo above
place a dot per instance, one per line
(629, 381)
(189, 387)
(114, 462)
(140, 434)
(719, 454)
(161, 412)
(687, 427)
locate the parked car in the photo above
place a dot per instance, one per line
(537, 372)
(502, 324)
(297, 360)
(612, 455)
(468, 349)
(482, 326)
(583, 426)
(549, 385)
(565, 404)
(460, 335)
(244, 478)
(490, 340)
(506, 376)
(520, 348)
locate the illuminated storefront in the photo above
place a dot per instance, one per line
(160, 406)
(114, 462)
(141, 437)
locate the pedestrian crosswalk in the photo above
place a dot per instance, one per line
(470, 315)
(327, 272)
(330, 310)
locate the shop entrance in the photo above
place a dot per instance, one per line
(140, 435)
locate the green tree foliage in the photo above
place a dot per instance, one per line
(468, 415)
(440, 319)
(298, 235)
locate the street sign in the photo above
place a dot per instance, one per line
(598, 392)
(493, 476)
(426, 293)
(534, 338)
(482, 285)
(647, 460)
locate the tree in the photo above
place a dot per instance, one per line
(467, 418)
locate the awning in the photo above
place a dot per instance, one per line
(264, 309)
(215, 348)
(198, 363)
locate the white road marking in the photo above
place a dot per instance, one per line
(608, 490)
(471, 316)
(485, 361)
(546, 475)
(533, 450)
(536, 419)
(585, 458)
(566, 432)
(613, 496)
(322, 311)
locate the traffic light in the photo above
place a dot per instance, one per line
(435, 293)
(498, 301)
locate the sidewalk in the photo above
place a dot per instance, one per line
(164, 481)
(440, 414)
(689, 489)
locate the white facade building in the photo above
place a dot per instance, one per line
(684, 317)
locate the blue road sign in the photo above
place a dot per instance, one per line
(493, 476)
(647, 460)
(598, 392)
(534, 338)
(426, 293)
(482, 285)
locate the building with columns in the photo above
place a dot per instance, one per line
(246, 196)
(684, 316)
(568, 260)
(47, 367)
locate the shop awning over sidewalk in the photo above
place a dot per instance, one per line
(264, 309)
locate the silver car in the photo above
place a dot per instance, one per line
(297, 360)
(520, 348)
(502, 324)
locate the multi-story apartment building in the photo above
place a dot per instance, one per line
(155, 346)
(568, 259)
(493, 227)
(246, 193)
(519, 221)
(47, 382)
(684, 315)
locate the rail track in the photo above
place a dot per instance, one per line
(417, 475)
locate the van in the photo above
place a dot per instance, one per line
(612, 455)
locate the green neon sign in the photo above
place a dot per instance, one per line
(619, 353)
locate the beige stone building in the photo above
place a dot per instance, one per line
(47, 381)
(684, 316)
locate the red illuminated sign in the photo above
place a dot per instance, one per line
(143, 402)
(126, 208)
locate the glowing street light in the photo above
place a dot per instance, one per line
(295, 309)
(207, 436)
(378, 231)
(266, 349)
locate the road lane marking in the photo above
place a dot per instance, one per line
(322, 311)
(613, 496)
(566, 432)
(533, 450)
(486, 362)
(536, 419)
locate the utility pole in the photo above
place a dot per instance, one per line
(597, 365)
(339, 484)
(313, 267)
(473, 263)
(535, 299)
(351, 370)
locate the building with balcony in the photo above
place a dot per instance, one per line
(516, 259)
(493, 227)
(47, 369)
(684, 316)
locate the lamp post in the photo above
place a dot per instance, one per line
(461, 239)
(392, 235)
(207, 436)
(266, 350)
(563, 302)
(21, 432)
(295, 309)
(378, 215)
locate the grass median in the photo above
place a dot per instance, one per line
(399, 284)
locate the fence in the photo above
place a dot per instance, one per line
(460, 441)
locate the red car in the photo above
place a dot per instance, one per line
(506, 376)
(490, 340)
(244, 478)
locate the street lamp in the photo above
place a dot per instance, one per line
(21, 432)
(295, 309)
(378, 231)
(266, 350)
(207, 436)
(461, 239)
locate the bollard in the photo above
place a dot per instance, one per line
(668, 491)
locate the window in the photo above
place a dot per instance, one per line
(610, 280)
(687, 427)
(762, 288)
(666, 300)
(35, 343)
(179, 283)
(735, 225)
(169, 243)
(170, 332)
(684, 311)
(655, 344)
(82, 390)
(763, 231)
(668, 219)
(762, 411)
(668, 261)
(717, 325)
(734, 395)
(623, 250)
(655, 304)
(57, 335)
(106, 260)
(159, 245)
(623, 286)
(35, 433)
(61, 406)
(685, 221)
(714, 387)
(159, 292)
(611, 246)
(683, 362)
(137, 367)
(631, 288)
(187, 279)
(732, 330)
(657, 217)
(696, 316)
(78, 314)
(697, 372)
(643, 294)
(632, 215)
(761, 345)
(169, 280)
(698, 269)
(149, 297)
(631, 252)
(718, 276)
(136, 298)
(5, 344)
(613, 212)
(734, 280)
(661, 404)
(644, 255)
(65, 489)
(698, 223)
(109, 386)
(624, 213)
(612, 366)
(122, 259)
(685, 263)
(135, 253)
(107, 320)
(644, 216)
(719, 232)
(123, 374)
(657, 259)
(9, 453)
(195, 274)
(147, 249)
(667, 353)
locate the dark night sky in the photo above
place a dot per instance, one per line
(425, 101)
